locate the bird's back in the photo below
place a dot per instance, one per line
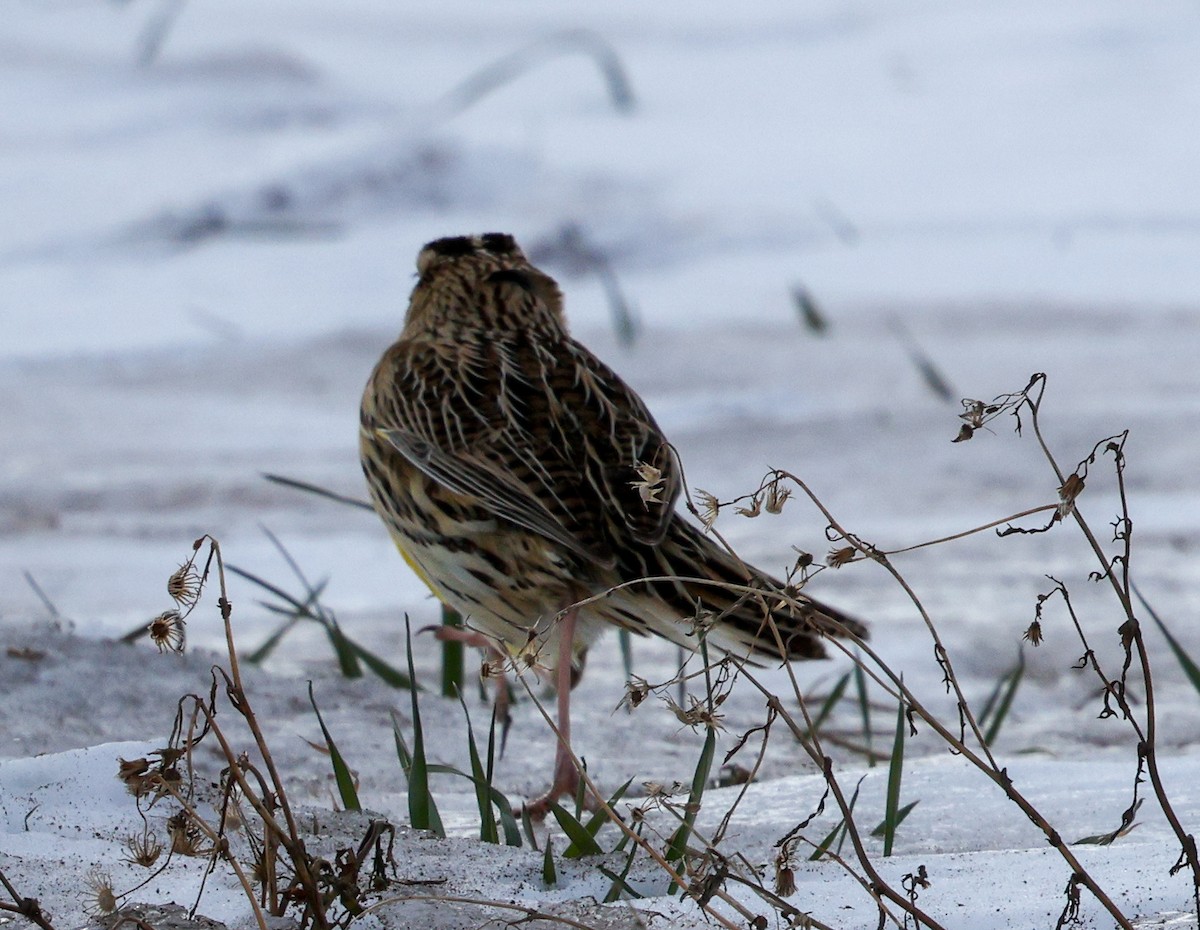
(519, 474)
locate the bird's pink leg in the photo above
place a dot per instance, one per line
(566, 775)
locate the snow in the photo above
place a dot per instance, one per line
(202, 258)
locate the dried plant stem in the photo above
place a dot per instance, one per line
(25, 907)
(1131, 631)
(221, 848)
(1044, 508)
(940, 652)
(811, 743)
(289, 838)
(603, 805)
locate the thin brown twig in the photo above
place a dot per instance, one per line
(604, 806)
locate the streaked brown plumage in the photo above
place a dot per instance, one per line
(509, 464)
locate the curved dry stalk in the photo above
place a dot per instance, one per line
(810, 742)
(941, 654)
(1131, 630)
(971, 532)
(235, 690)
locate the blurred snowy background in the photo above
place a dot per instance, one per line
(211, 212)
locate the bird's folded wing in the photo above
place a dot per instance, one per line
(617, 445)
(507, 498)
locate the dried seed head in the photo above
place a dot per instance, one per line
(696, 715)
(184, 585)
(491, 668)
(839, 557)
(170, 755)
(650, 486)
(101, 897)
(703, 620)
(776, 497)
(709, 508)
(259, 869)
(134, 772)
(184, 834)
(1071, 489)
(753, 510)
(965, 432)
(656, 790)
(785, 878)
(636, 690)
(167, 631)
(1034, 633)
(976, 412)
(528, 657)
(143, 850)
(234, 820)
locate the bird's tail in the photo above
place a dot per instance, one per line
(692, 583)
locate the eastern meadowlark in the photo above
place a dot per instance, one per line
(519, 476)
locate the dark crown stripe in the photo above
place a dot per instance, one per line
(452, 246)
(499, 243)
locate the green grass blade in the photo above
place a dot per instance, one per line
(341, 771)
(580, 792)
(303, 608)
(453, 660)
(402, 750)
(1009, 685)
(895, 773)
(549, 872)
(422, 809)
(827, 842)
(292, 563)
(598, 819)
(527, 828)
(343, 649)
(835, 695)
(620, 884)
(488, 832)
(582, 842)
(1185, 661)
(389, 673)
(512, 836)
(699, 782)
(678, 844)
(864, 706)
(881, 829)
(261, 654)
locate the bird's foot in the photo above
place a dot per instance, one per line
(567, 784)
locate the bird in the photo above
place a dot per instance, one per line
(531, 489)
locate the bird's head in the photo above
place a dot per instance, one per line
(481, 283)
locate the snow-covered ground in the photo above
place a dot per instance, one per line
(202, 257)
